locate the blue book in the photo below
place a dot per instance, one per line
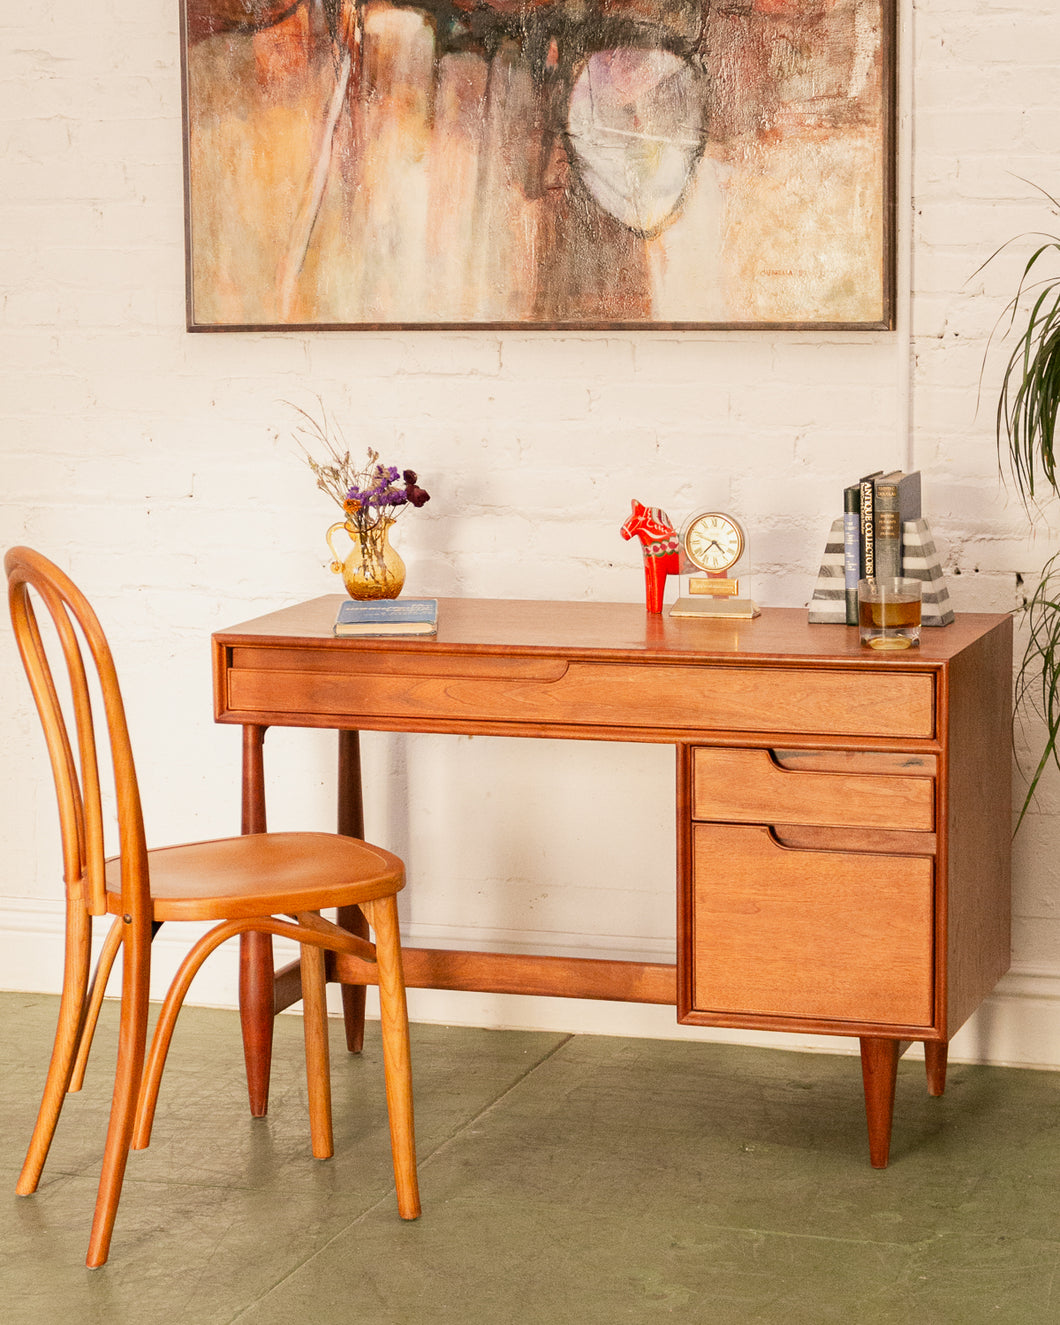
(851, 550)
(388, 616)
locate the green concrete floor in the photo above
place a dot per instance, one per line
(565, 1179)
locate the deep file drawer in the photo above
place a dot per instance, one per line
(811, 787)
(836, 936)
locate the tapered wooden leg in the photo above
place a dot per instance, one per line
(132, 1043)
(397, 1060)
(936, 1056)
(317, 1059)
(67, 1037)
(351, 823)
(256, 1012)
(879, 1070)
(353, 996)
(257, 1005)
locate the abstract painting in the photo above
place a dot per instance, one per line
(539, 163)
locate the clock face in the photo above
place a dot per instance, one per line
(714, 541)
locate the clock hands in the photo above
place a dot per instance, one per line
(713, 543)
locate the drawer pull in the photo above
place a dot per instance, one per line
(891, 841)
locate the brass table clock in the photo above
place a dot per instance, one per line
(714, 549)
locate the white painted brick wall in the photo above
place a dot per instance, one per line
(159, 468)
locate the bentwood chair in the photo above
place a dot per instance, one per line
(276, 883)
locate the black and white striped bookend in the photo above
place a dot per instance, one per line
(920, 561)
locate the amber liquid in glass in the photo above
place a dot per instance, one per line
(889, 614)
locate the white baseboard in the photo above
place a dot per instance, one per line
(1017, 1026)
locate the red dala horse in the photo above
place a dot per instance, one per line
(661, 547)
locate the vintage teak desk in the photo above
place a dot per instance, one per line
(843, 817)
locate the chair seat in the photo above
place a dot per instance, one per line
(261, 874)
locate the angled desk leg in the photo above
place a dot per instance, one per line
(879, 1069)
(351, 823)
(936, 1056)
(257, 1005)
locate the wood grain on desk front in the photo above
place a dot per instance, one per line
(843, 817)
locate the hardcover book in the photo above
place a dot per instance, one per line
(388, 616)
(897, 502)
(868, 522)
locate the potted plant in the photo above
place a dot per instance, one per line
(1026, 425)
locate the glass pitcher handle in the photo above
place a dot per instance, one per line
(336, 565)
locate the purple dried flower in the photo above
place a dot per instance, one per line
(387, 496)
(368, 495)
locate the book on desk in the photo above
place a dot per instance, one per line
(387, 616)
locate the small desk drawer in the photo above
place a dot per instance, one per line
(823, 935)
(811, 787)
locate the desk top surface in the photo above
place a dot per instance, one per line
(619, 631)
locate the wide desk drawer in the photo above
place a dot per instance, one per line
(420, 687)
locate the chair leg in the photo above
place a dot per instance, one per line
(382, 915)
(317, 1057)
(132, 1043)
(173, 1001)
(104, 966)
(167, 1023)
(68, 1034)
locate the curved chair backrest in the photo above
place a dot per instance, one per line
(77, 777)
